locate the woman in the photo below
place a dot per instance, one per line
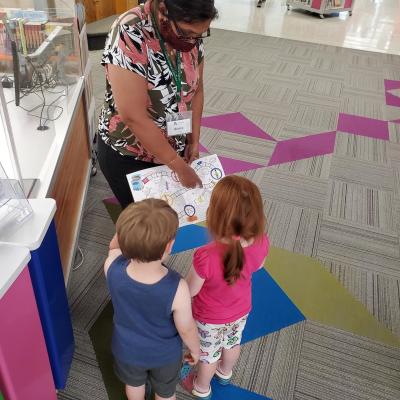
(154, 69)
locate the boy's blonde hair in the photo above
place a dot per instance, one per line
(145, 228)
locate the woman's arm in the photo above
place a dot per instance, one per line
(131, 98)
(192, 149)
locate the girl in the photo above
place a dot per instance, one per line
(220, 278)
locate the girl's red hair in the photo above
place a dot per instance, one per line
(236, 210)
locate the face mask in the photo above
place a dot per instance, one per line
(175, 41)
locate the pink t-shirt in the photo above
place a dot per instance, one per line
(217, 302)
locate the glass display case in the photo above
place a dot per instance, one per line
(44, 135)
(40, 83)
(14, 207)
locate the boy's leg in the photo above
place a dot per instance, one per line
(135, 393)
(164, 380)
(165, 398)
(228, 360)
(204, 375)
(133, 377)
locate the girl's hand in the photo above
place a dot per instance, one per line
(191, 152)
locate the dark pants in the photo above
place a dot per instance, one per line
(115, 167)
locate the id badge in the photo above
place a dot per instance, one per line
(179, 123)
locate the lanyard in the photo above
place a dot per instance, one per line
(176, 72)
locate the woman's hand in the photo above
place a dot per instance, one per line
(188, 177)
(191, 152)
(185, 173)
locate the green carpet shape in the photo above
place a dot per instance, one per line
(101, 334)
(113, 210)
(321, 298)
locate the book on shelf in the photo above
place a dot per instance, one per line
(336, 4)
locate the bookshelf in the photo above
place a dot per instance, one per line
(322, 7)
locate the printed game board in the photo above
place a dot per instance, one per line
(162, 183)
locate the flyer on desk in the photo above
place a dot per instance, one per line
(163, 183)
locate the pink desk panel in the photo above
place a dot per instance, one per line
(24, 364)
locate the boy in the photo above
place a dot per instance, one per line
(152, 304)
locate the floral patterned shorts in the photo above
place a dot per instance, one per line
(215, 337)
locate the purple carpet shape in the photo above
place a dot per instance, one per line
(391, 99)
(235, 123)
(232, 166)
(304, 147)
(363, 126)
(391, 84)
(111, 200)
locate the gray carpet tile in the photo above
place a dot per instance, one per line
(293, 228)
(391, 113)
(336, 365)
(318, 167)
(394, 131)
(298, 190)
(363, 205)
(361, 247)
(361, 148)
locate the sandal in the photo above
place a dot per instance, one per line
(223, 379)
(201, 395)
(188, 376)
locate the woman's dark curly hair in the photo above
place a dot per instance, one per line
(191, 10)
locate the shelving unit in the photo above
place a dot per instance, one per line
(322, 7)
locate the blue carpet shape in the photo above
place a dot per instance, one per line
(231, 392)
(272, 309)
(190, 237)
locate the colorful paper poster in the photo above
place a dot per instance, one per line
(162, 183)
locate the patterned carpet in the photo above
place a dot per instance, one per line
(326, 122)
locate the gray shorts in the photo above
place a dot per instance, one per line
(163, 379)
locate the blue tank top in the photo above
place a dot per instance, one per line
(144, 332)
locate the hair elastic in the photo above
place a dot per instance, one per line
(236, 238)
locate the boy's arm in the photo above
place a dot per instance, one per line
(194, 281)
(114, 243)
(184, 322)
(113, 252)
(112, 255)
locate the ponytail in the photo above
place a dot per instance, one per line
(233, 261)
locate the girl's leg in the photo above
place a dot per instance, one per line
(135, 393)
(228, 360)
(204, 375)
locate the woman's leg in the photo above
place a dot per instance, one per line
(135, 393)
(115, 167)
(204, 375)
(228, 360)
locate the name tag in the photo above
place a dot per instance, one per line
(179, 123)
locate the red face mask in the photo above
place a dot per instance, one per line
(175, 41)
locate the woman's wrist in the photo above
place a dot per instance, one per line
(176, 163)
